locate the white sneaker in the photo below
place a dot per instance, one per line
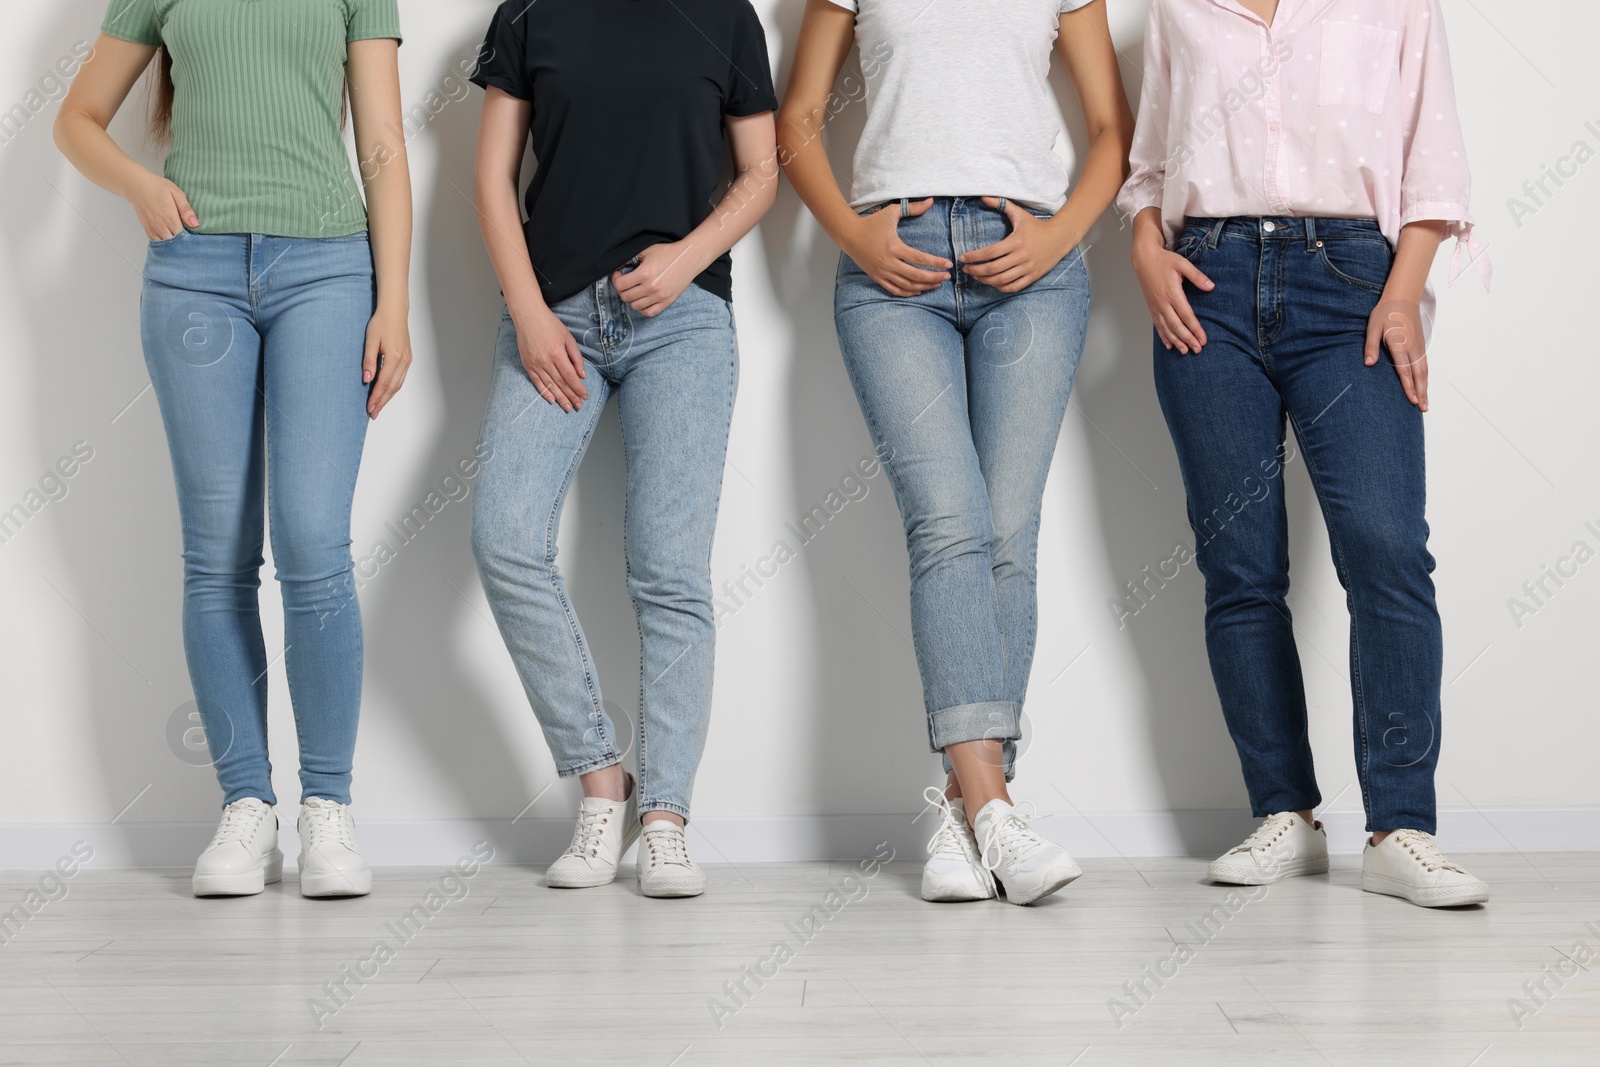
(664, 866)
(331, 863)
(605, 830)
(1409, 865)
(1284, 845)
(954, 870)
(1027, 866)
(243, 856)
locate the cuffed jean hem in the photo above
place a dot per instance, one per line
(997, 720)
(599, 763)
(647, 806)
(1388, 824)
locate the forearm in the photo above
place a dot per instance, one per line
(88, 147)
(500, 220)
(807, 166)
(747, 199)
(1103, 173)
(390, 230)
(1148, 229)
(1413, 259)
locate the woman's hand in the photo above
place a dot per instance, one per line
(660, 276)
(1029, 252)
(162, 208)
(1161, 275)
(552, 358)
(387, 358)
(1396, 324)
(874, 245)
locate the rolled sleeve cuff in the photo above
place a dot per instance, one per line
(1470, 250)
(1138, 194)
(997, 720)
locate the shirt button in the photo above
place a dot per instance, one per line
(1269, 226)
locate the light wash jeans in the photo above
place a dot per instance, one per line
(964, 389)
(674, 378)
(254, 345)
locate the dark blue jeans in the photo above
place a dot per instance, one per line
(1285, 328)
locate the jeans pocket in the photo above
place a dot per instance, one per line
(1358, 63)
(170, 240)
(1191, 242)
(1361, 262)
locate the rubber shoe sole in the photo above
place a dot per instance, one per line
(950, 892)
(591, 879)
(683, 886)
(1253, 875)
(241, 883)
(1024, 895)
(323, 884)
(1426, 897)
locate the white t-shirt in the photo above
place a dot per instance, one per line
(958, 100)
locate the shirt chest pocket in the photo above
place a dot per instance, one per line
(1358, 63)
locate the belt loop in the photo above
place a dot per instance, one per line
(1215, 235)
(1001, 207)
(905, 207)
(1311, 234)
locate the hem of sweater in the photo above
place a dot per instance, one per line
(247, 227)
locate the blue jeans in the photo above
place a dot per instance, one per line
(964, 389)
(674, 377)
(1286, 325)
(254, 345)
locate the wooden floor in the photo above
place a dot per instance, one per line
(127, 968)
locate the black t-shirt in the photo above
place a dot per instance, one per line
(628, 98)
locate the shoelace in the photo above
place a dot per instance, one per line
(667, 847)
(1421, 846)
(329, 824)
(239, 820)
(586, 837)
(947, 840)
(1266, 835)
(1013, 834)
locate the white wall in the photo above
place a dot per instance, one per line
(817, 711)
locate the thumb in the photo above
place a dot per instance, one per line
(185, 212)
(919, 207)
(1013, 211)
(1374, 339)
(369, 359)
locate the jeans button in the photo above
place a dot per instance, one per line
(1269, 226)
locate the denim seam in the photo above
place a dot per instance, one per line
(555, 585)
(1341, 276)
(572, 770)
(934, 716)
(646, 806)
(1363, 769)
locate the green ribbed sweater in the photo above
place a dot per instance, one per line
(258, 94)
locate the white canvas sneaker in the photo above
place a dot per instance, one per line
(954, 870)
(1283, 846)
(1410, 866)
(664, 866)
(243, 856)
(331, 863)
(1027, 866)
(605, 830)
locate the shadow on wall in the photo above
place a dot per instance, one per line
(868, 749)
(76, 255)
(419, 610)
(73, 247)
(1140, 504)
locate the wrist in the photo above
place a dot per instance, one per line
(1402, 292)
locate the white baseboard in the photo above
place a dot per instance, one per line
(794, 838)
